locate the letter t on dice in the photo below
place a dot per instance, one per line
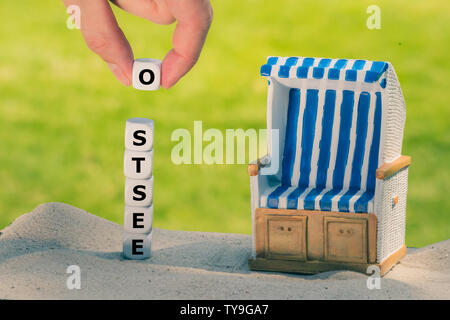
(147, 74)
(138, 165)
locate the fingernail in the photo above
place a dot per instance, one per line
(120, 75)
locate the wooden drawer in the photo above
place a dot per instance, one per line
(285, 237)
(345, 239)
(319, 237)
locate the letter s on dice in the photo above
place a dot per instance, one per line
(139, 134)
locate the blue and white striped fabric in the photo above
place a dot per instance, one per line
(332, 145)
(323, 68)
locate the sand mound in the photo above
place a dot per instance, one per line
(37, 248)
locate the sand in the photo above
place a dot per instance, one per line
(37, 248)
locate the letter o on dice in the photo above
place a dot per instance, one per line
(147, 74)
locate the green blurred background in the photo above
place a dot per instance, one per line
(62, 113)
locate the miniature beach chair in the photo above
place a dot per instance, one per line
(331, 193)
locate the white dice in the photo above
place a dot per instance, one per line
(139, 134)
(137, 165)
(137, 246)
(138, 193)
(138, 171)
(138, 219)
(147, 74)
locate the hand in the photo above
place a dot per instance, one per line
(103, 36)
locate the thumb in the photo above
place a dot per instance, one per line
(104, 37)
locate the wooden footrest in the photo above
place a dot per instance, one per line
(315, 266)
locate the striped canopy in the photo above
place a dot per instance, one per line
(332, 138)
(323, 68)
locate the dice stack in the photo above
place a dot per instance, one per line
(138, 159)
